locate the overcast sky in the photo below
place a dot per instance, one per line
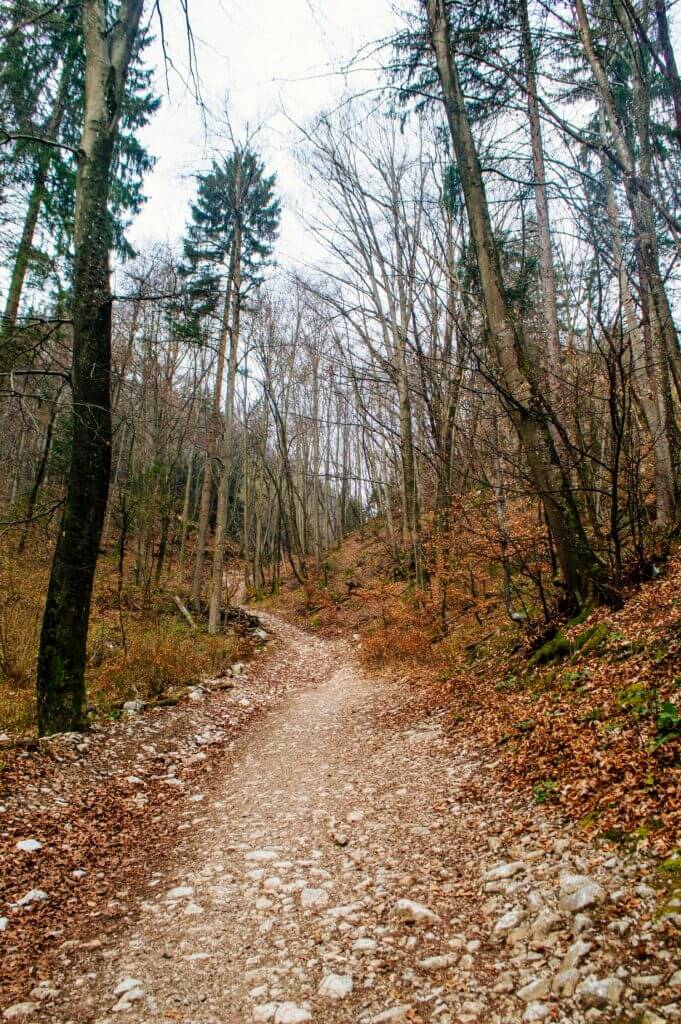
(275, 62)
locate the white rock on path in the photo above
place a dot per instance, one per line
(290, 1013)
(415, 913)
(29, 845)
(265, 1011)
(127, 985)
(363, 945)
(126, 1001)
(4, 921)
(335, 986)
(314, 898)
(180, 892)
(535, 990)
(502, 871)
(394, 1013)
(536, 1011)
(577, 951)
(510, 920)
(437, 963)
(578, 892)
(19, 1010)
(565, 983)
(600, 993)
(32, 896)
(262, 856)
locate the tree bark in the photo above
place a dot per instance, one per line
(211, 447)
(581, 571)
(63, 639)
(215, 609)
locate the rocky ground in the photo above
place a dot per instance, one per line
(349, 864)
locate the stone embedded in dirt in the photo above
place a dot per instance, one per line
(653, 1018)
(502, 871)
(335, 986)
(565, 983)
(290, 1013)
(504, 983)
(510, 920)
(313, 897)
(414, 913)
(43, 992)
(264, 1011)
(600, 993)
(578, 892)
(536, 1011)
(180, 892)
(646, 982)
(29, 845)
(581, 923)
(394, 1013)
(260, 634)
(363, 945)
(545, 927)
(262, 856)
(576, 952)
(437, 963)
(125, 1002)
(535, 990)
(4, 921)
(32, 896)
(237, 668)
(19, 1010)
(127, 985)
(133, 706)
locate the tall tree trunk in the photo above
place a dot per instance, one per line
(215, 609)
(644, 371)
(546, 268)
(211, 446)
(63, 639)
(8, 342)
(581, 571)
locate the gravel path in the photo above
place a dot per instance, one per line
(351, 866)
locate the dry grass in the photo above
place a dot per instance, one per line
(135, 651)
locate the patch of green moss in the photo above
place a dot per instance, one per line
(545, 791)
(671, 866)
(582, 616)
(591, 639)
(552, 650)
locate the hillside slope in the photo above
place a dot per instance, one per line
(586, 716)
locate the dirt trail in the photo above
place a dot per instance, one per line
(351, 866)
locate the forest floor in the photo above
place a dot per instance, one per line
(313, 844)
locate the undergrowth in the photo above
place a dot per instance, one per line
(586, 716)
(138, 647)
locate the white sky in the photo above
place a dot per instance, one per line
(277, 61)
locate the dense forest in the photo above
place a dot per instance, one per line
(485, 357)
(339, 522)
